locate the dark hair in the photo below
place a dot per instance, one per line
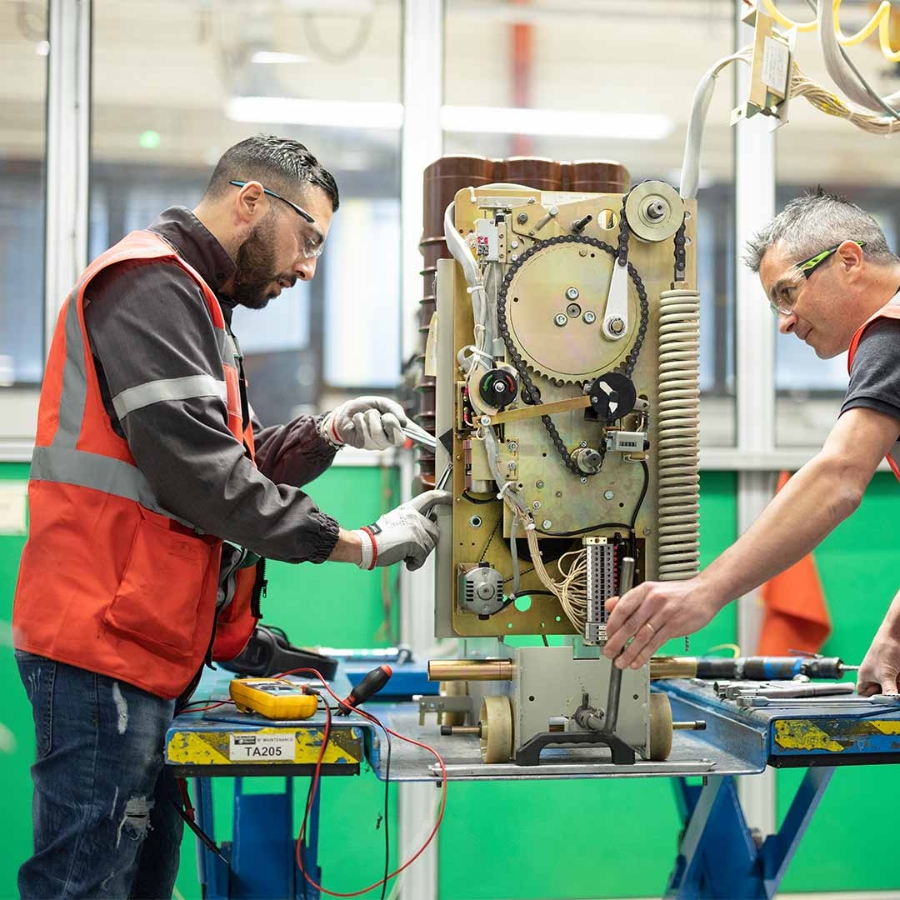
(816, 221)
(278, 163)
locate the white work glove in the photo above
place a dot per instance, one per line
(404, 533)
(367, 423)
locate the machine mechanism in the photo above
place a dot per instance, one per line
(562, 361)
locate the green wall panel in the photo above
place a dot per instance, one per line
(851, 841)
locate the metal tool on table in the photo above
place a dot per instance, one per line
(772, 668)
(626, 579)
(371, 683)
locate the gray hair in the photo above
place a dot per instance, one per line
(813, 223)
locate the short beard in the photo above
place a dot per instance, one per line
(256, 266)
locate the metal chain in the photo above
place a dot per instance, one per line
(531, 393)
(680, 259)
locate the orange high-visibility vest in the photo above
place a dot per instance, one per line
(110, 581)
(891, 310)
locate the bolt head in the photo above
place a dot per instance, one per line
(522, 218)
(616, 325)
(648, 532)
(583, 444)
(590, 317)
(536, 504)
(485, 420)
(572, 293)
(514, 245)
(546, 524)
(559, 495)
(512, 465)
(582, 252)
(560, 320)
(514, 257)
(500, 387)
(539, 484)
(512, 446)
(583, 480)
(609, 495)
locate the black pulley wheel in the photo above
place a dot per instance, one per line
(613, 396)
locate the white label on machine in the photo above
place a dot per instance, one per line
(262, 747)
(776, 59)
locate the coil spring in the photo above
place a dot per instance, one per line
(679, 418)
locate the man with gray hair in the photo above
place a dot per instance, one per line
(833, 282)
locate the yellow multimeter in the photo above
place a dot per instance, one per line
(273, 698)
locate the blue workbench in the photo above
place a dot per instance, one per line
(718, 855)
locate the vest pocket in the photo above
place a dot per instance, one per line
(160, 594)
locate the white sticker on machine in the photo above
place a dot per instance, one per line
(776, 59)
(262, 747)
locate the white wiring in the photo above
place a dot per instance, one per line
(842, 73)
(690, 168)
(832, 105)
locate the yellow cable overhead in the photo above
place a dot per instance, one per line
(881, 21)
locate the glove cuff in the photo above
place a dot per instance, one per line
(328, 431)
(369, 549)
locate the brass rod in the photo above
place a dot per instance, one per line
(470, 670)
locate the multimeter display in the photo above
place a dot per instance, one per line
(272, 698)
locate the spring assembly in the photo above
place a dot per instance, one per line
(679, 413)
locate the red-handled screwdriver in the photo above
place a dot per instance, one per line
(371, 683)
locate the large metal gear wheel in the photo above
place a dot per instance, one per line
(555, 306)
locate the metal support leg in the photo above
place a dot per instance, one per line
(779, 849)
(310, 851)
(719, 855)
(262, 852)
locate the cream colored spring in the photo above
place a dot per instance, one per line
(678, 419)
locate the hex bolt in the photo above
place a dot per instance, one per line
(551, 213)
(539, 484)
(514, 257)
(572, 293)
(514, 245)
(590, 317)
(617, 325)
(485, 420)
(522, 218)
(512, 465)
(609, 495)
(546, 524)
(512, 446)
(560, 319)
(536, 504)
(583, 444)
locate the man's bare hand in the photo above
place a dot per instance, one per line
(880, 668)
(653, 613)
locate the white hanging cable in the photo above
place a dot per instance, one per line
(690, 168)
(842, 71)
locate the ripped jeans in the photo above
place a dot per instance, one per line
(104, 825)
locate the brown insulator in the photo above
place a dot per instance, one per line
(597, 176)
(534, 172)
(426, 311)
(442, 179)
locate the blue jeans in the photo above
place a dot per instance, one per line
(104, 820)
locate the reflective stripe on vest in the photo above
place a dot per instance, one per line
(61, 462)
(109, 580)
(891, 310)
